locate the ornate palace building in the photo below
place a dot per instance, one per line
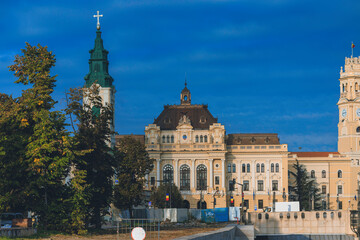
(191, 148)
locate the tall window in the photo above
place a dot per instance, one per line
(323, 189)
(172, 138)
(234, 168)
(152, 180)
(168, 139)
(243, 168)
(257, 167)
(229, 168)
(260, 204)
(184, 177)
(312, 174)
(201, 174)
(196, 138)
(339, 189)
(340, 205)
(205, 138)
(246, 185)
(231, 185)
(168, 173)
(217, 180)
(163, 139)
(201, 138)
(323, 174)
(262, 167)
(277, 167)
(339, 174)
(272, 167)
(248, 167)
(275, 185)
(260, 185)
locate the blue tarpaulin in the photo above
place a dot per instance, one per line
(215, 215)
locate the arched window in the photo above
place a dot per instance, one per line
(356, 87)
(343, 88)
(312, 175)
(323, 174)
(196, 138)
(172, 138)
(339, 174)
(262, 167)
(229, 168)
(201, 138)
(234, 168)
(257, 167)
(168, 139)
(358, 129)
(205, 138)
(272, 167)
(339, 189)
(184, 177)
(201, 177)
(168, 173)
(243, 168)
(248, 167)
(277, 167)
(163, 139)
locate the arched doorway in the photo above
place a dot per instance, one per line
(186, 204)
(202, 206)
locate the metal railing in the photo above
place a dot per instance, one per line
(125, 226)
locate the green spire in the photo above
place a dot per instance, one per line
(98, 65)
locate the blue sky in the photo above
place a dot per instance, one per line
(262, 66)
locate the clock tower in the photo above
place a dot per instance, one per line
(349, 107)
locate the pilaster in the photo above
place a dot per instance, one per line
(211, 173)
(158, 170)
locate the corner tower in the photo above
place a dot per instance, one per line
(99, 73)
(349, 107)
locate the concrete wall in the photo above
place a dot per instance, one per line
(176, 214)
(227, 233)
(230, 232)
(332, 223)
(195, 213)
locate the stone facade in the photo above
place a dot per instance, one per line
(191, 148)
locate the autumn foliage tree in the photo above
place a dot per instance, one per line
(43, 152)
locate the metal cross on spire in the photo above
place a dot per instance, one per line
(98, 16)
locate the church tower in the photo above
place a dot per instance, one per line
(99, 73)
(349, 107)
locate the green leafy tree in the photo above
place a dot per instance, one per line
(305, 188)
(132, 165)
(158, 197)
(13, 166)
(91, 121)
(44, 159)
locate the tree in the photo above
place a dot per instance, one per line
(13, 165)
(132, 165)
(94, 164)
(305, 188)
(158, 197)
(42, 154)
